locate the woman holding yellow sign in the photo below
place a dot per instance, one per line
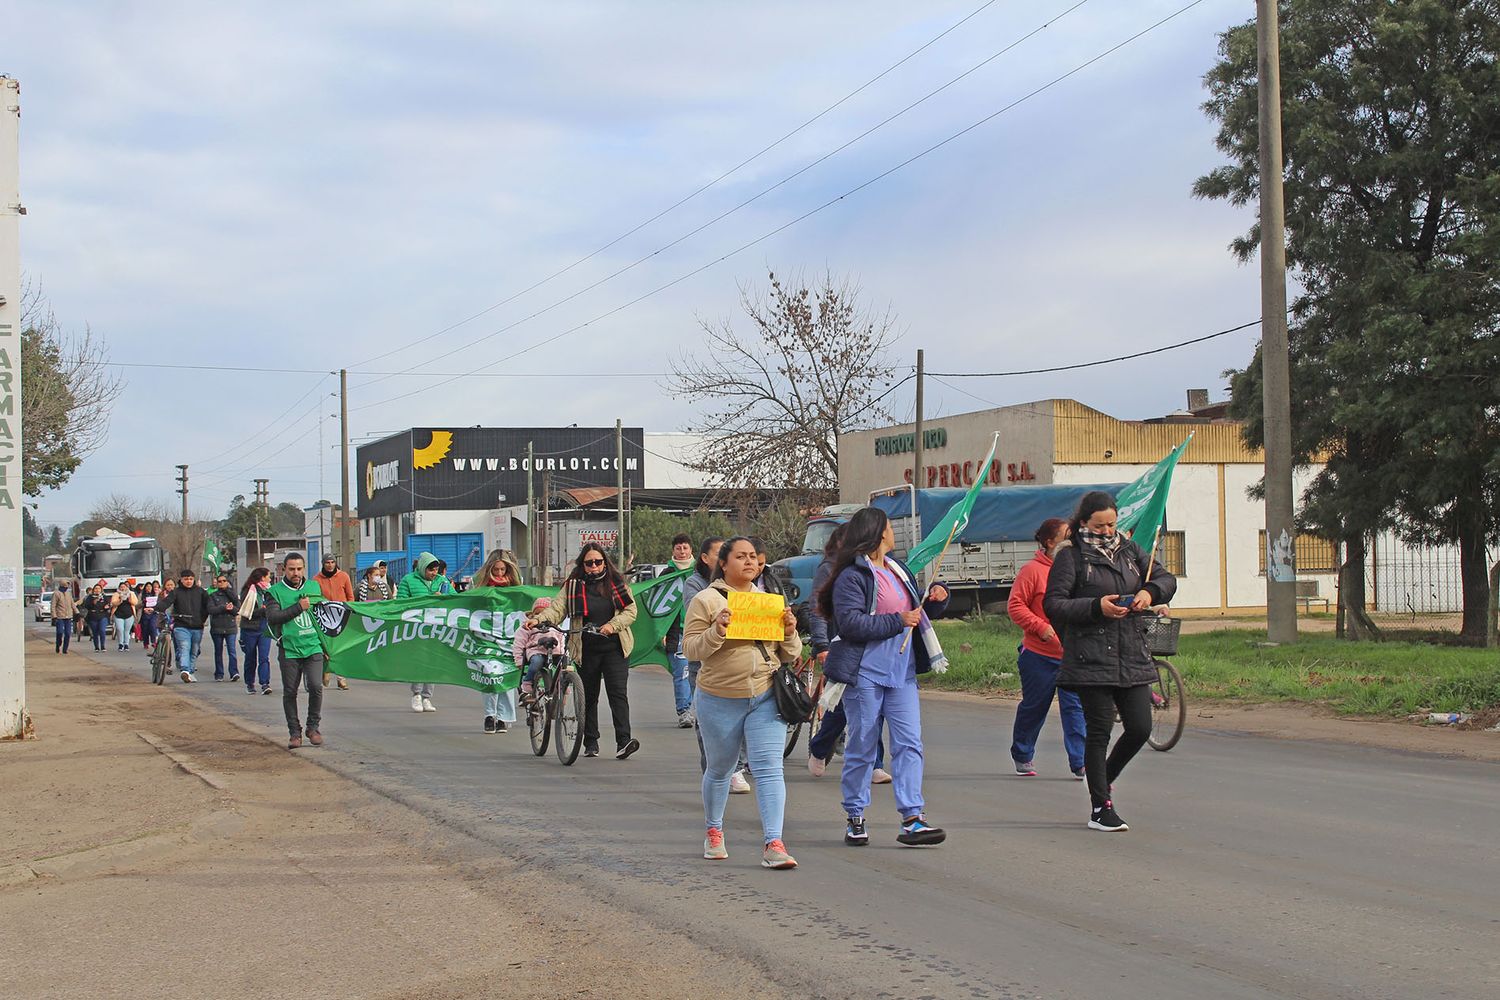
(741, 637)
(885, 641)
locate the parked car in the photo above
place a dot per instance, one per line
(43, 608)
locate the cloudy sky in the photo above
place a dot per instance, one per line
(303, 187)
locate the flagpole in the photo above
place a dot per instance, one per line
(939, 563)
(1151, 559)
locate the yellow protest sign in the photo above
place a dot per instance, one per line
(756, 616)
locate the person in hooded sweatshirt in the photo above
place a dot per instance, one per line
(595, 596)
(188, 605)
(335, 585)
(424, 581)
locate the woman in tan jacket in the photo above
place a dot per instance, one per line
(734, 703)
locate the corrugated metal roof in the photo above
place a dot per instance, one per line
(1083, 434)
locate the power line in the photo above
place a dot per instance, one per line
(319, 371)
(806, 215)
(753, 198)
(1102, 361)
(683, 201)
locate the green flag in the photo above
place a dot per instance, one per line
(954, 522)
(1143, 503)
(467, 639)
(212, 556)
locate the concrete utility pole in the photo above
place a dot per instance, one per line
(346, 556)
(1281, 532)
(620, 552)
(14, 721)
(262, 493)
(916, 472)
(546, 519)
(182, 488)
(531, 577)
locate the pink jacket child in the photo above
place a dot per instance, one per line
(527, 647)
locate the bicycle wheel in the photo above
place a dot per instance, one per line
(161, 659)
(569, 713)
(537, 720)
(1168, 708)
(793, 733)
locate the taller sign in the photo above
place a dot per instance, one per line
(13, 720)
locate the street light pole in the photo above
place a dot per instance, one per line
(1281, 533)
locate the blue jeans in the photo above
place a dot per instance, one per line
(864, 703)
(725, 723)
(501, 705)
(187, 643)
(256, 645)
(829, 731)
(682, 687)
(98, 629)
(64, 629)
(122, 631)
(533, 665)
(1038, 682)
(225, 644)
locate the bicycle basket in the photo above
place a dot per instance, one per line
(1161, 635)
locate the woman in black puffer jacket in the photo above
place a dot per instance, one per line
(1098, 592)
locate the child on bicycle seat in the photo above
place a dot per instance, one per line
(528, 650)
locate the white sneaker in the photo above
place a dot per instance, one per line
(416, 703)
(816, 766)
(880, 777)
(428, 706)
(187, 678)
(737, 783)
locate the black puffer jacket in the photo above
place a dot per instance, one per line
(1099, 650)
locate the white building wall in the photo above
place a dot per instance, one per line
(442, 522)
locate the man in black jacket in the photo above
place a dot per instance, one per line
(188, 605)
(223, 623)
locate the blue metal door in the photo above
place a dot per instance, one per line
(463, 551)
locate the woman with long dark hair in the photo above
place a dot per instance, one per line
(596, 595)
(1099, 586)
(885, 641)
(1040, 654)
(735, 704)
(255, 639)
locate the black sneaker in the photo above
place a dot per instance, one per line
(1105, 818)
(591, 751)
(500, 726)
(915, 832)
(630, 747)
(489, 723)
(855, 833)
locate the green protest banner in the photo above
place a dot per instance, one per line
(467, 639)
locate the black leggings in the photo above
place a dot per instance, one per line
(605, 661)
(1099, 707)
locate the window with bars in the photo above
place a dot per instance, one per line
(1314, 554)
(1172, 551)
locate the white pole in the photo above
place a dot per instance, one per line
(14, 722)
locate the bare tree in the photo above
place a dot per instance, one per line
(814, 365)
(182, 542)
(66, 396)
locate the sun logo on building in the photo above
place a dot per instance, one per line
(436, 450)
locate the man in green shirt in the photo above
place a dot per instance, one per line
(302, 659)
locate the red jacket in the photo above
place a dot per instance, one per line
(336, 587)
(1025, 607)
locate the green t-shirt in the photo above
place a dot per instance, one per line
(298, 637)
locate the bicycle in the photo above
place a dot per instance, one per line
(162, 658)
(1168, 702)
(556, 705)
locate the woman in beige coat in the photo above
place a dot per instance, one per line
(734, 703)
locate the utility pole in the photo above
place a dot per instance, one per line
(346, 558)
(546, 518)
(620, 552)
(531, 577)
(15, 723)
(262, 493)
(182, 487)
(916, 472)
(1281, 532)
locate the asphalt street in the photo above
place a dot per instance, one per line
(1254, 867)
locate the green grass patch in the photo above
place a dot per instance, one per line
(1386, 678)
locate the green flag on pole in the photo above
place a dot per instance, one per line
(1143, 503)
(466, 639)
(954, 522)
(212, 555)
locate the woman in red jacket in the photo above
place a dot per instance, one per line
(1040, 655)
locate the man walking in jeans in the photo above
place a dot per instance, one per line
(295, 632)
(188, 605)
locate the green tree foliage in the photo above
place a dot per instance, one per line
(652, 531)
(1391, 128)
(243, 518)
(34, 542)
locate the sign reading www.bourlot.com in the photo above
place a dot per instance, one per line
(471, 468)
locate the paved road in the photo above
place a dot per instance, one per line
(1255, 867)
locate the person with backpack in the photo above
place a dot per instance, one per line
(223, 614)
(255, 638)
(288, 616)
(1098, 590)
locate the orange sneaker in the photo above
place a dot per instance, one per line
(713, 845)
(775, 856)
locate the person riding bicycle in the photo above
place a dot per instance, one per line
(1099, 583)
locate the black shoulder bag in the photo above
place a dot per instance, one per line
(793, 703)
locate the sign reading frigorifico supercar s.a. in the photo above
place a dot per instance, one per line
(472, 468)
